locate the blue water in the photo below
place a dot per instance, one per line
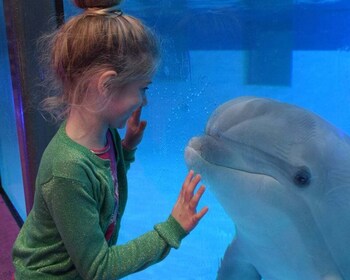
(294, 51)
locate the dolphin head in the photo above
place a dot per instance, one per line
(261, 138)
(259, 155)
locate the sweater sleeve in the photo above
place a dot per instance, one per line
(76, 216)
(129, 157)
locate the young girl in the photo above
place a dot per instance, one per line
(104, 61)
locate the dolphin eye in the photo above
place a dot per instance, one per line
(302, 177)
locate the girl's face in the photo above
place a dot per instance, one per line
(123, 103)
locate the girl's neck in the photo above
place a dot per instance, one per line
(85, 129)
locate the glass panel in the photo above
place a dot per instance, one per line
(213, 51)
(10, 165)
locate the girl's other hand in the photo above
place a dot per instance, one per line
(184, 210)
(134, 130)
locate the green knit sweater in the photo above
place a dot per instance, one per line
(63, 236)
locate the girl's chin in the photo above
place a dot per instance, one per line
(120, 125)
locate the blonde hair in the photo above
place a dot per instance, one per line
(99, 39)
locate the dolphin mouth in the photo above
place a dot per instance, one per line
(230, 154)
(190, 153)
(194, 151)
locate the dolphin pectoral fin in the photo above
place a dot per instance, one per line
(233, 267)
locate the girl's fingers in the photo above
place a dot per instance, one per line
(134, 120)
(188, 178)
(137, 114)
(195, 199)
(185, 208)
(201, 213)
(186, 183)
(189, 190)
(142, 125)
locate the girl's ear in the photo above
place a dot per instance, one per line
(105, 80)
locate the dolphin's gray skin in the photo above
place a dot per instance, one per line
(283, 175)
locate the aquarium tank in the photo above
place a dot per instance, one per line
(294, 51)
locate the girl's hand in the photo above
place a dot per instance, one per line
(134, 130)
(184, 210)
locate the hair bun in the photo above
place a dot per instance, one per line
(85, 4)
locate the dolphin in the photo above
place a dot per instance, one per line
(282, 174)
